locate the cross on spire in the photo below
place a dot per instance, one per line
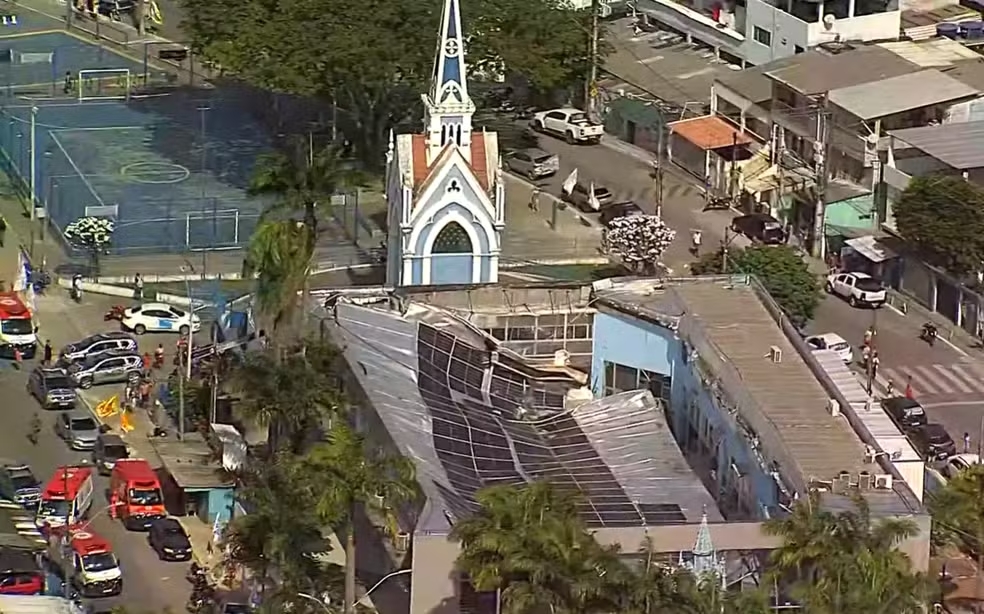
(448, 108)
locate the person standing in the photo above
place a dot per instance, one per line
(46, 353)
(535, 199)
(138, 287)
(875, 361)
(3, 230)
(966, 448)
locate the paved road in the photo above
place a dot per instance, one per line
(947, 381)
(149, 584)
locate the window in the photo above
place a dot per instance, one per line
(453, 239)
(762, 35)
(620, 378)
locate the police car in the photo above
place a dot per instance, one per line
(160, 317)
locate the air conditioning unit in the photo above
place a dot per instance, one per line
(775, 354)
(833, 407)
(865, 481)
(402, 541)
(883, 481)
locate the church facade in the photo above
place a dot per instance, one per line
(444, 187)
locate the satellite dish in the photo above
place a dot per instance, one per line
(828, 21)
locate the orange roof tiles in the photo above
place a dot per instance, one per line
(422, 171)
(709, 132)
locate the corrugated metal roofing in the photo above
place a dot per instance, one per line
(960, 145)
(900, 94)
(816, 72)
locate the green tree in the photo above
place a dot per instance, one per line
(343, 475)
(780, 269)
(943, 217)
(845, 561)
(374, 58)
(277, 254)
(958, 512)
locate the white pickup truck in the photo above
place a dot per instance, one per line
(573, 125)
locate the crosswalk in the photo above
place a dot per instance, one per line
(932, 380)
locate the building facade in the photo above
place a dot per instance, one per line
(444, 187)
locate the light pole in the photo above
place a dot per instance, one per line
(34, 162)
(398, 572)
(184, 368)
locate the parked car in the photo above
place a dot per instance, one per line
(580, 197)
(958, 463)
(19, 573)
(168, 538)
(905, 412)
(109, 448)
(78, 429)
(533, 163)
(932, 442)
(760, 227)
(18, 484)
(107, 368)
(617, 210)
(97, 344)
(52, 387)
(160, 317)
(833, 342)
(573, 125)
(860, 289)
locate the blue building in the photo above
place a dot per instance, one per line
(444, 187)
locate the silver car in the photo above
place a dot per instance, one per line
(78, 429)
(533, 163)
(580, 197)
(107, 368)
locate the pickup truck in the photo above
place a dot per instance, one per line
(572, 124)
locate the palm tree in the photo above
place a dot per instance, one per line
(300, 177)
(343, 475)
(279, 257)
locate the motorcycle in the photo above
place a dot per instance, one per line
(929, 333)
(76, 290)
(196, 573)
(115, 313)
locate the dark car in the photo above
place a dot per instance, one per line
(759, 227)
(18, 484)
(617, 210)
(168, 538)
(53, 388)
(932, 442)
(19, 573)
(109, 448)
(580, 197)
(905, 412)
(97, 344)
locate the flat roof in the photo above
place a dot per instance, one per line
(471, 414)
(816, 72)
(932, 53)
(960, 145)
(900, 94)
(192, 464)
(709, 132)
(782, 402)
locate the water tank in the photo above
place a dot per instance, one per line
(948, 30)
(972, 29)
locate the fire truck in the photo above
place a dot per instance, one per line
(135, 494)
(89, 563)
(16, 327)
(66, 497)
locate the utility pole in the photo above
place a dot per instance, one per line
(591, 84)
(658, 175)
(34, 163)
(872, 352)
(777, 202)
(820, 156)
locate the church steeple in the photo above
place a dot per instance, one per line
(448, 108)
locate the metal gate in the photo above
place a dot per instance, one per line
(212, 231)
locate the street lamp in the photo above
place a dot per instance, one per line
(398, 572)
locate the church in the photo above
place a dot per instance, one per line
(444, 187)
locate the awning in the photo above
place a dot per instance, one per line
(869, 247)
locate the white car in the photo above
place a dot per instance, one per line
(860, 289)
(160, 317)
(571, 124)
(957, 463)
(833, 342)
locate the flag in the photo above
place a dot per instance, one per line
(20, 281)
(592, 199)
(570, 182)
(126, 424)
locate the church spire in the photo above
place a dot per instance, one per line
(448, 106)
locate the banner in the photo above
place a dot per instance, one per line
(570, 182)
(108, 407)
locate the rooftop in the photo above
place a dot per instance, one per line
(960, 146)
(473, 414)
(782, 403)
(752, 83)
(17, 528)
(900, 94)
(932, 53)
(816, 72)
(709, 132)
(192, 463)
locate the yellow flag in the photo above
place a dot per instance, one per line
(126, 425)
(108, 407)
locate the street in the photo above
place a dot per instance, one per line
(148, 583)
(948, 382)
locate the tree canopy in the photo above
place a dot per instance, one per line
(374, 58)
(781, 270)
(943, 217)
(638, 242)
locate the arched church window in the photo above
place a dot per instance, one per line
(444, 134)
(452, 240)
(457, 136)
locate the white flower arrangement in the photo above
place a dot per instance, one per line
(90, 232)
(639, 242)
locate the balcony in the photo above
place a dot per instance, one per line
(694, 23)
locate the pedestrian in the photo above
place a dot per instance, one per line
(18, 357)
(138, 287)
(146, 364)
(966, 443)
(695, 241)
(875, 361)
(890, 389)
(46, 353)
(909, 392)
(69, 83)
(535, 199)
(869, 334)
(3, 230)
(128, 393)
